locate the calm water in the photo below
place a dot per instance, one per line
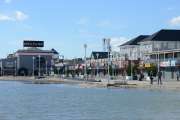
(20, 101)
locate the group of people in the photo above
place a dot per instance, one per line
(159, 74)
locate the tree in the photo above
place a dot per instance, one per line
(151, 68)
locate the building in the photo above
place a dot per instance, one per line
(98, 63)
(131, 49)
(8, 66)
(72, 67)
(31, 60)
(34, 61)
(163, 49)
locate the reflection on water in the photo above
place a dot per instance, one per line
(20, 101)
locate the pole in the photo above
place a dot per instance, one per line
(51, 67)
(15, 68)
(85, 70)
(158, 59)
(1, 69)
(33, 67)
(97, 55)
(39, 66)
(131, 70)
(131, 58)
(108, 60)
(46, 69)
(74, 66)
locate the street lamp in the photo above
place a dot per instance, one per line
(109, 50)
(97, 55)
(62, 57)
(158, 57)
(46, 68)
(131, 65)
(1, 68)
(15, 68)
(85, 70)
(33, 66)
(39, 66)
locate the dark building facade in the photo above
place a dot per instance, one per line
(8, 66)
(30, 61)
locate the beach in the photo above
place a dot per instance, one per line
(167, 85)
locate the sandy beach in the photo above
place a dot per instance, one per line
(167, 85)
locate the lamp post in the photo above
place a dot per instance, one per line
(39, 66)
(33, 66)
(85, 70)
(15, 68)
(46, 68)
(62, 63)
(131, 58)
(158, 58)
(109, 47)
(97, 55)
(1, 68)
(131, 70)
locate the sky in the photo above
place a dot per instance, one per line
(67, 25)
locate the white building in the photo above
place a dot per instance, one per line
(161, 48)
(131, 49)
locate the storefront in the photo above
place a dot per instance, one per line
(169, 69)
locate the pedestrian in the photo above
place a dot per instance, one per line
(151, 78)
(159, 77)
(141, 76)
(177, 75)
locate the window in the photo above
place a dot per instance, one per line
(162, 46)
(171, 45)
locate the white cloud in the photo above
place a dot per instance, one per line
(116, 41)
(7, 1)
(104, 23)
(20, 16)
(16, 16)
(175, 21)
(83, 21)
(4, 17)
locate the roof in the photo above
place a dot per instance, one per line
(99, 55)
(164, 35)
(34, 50)
(136, 40)
(54, 51)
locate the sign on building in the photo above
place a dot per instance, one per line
(147, 65)
(165, 64)
(173, 63)
(28, 43)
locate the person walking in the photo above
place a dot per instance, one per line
(151, 78)
(159, 77)
(177, 75)
(141, 77)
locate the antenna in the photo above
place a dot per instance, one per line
(104, 44)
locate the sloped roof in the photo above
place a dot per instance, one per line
(136, 40)
(99, 55)
(164, 35)
(54, 51)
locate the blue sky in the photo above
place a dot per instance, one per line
(67, 24)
